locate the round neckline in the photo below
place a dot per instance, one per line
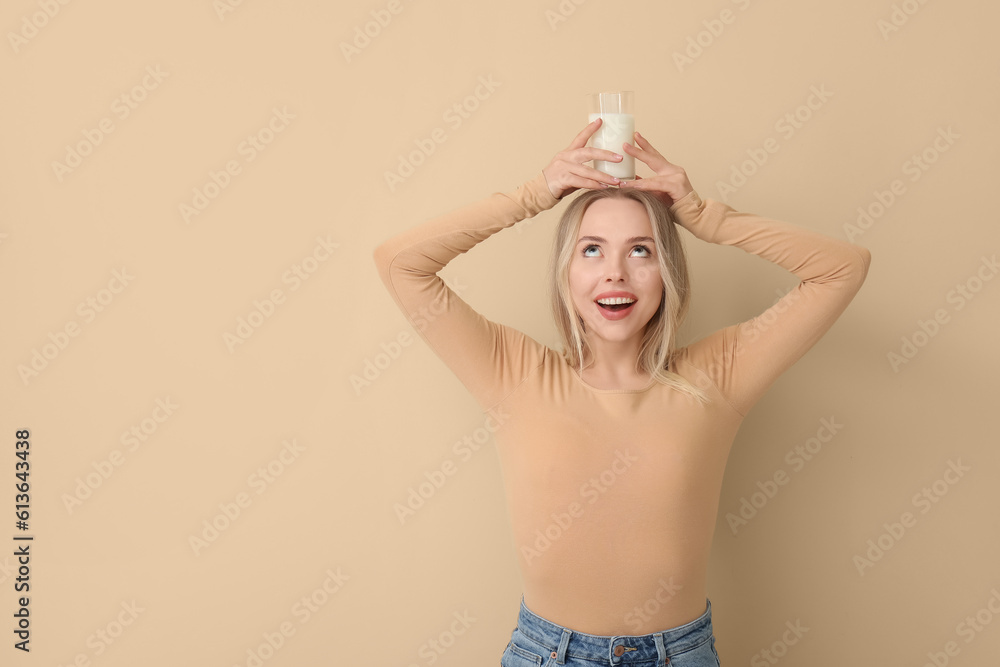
(591, 387)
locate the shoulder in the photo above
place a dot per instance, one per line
(708, 361)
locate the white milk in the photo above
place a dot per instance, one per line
(617, 129)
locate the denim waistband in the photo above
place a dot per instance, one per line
(617, 649)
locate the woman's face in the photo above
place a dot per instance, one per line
(614, 262)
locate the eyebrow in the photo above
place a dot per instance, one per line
(598, 239)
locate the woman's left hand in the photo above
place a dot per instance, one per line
(670, 182)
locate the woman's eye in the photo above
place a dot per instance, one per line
(594, 251)
(643, 250)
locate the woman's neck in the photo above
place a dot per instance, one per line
(613, 367)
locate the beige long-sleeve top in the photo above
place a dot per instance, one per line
(613, 493)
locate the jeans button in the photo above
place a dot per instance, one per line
(619, 650)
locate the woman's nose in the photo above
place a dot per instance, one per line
(614, 269)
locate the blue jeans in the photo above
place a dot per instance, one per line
(537, 642)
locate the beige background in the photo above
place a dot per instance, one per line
(329, 507)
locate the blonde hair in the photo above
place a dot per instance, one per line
(658, 347)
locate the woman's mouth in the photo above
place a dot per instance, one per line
(615, 308)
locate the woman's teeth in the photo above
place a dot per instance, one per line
(616, 303)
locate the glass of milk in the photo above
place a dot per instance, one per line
(618, 128)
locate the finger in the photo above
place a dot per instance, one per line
(646, 146)
(640, 183)
(590, 184)
(637, 152)
(583, 137)
(590, 177)
(595, 174)
(598, 185)
(650, 159)
(644, 143)
(590, 153)
(606, 155)
(635, 183)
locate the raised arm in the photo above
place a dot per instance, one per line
(743, 360)
(488, 358)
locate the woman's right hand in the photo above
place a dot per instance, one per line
(567, 171)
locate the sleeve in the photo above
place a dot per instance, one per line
(743, 360)
(488, 358)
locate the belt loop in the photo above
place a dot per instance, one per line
(661, 651)
(563, 645)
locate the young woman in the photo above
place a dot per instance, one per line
(613, 450)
